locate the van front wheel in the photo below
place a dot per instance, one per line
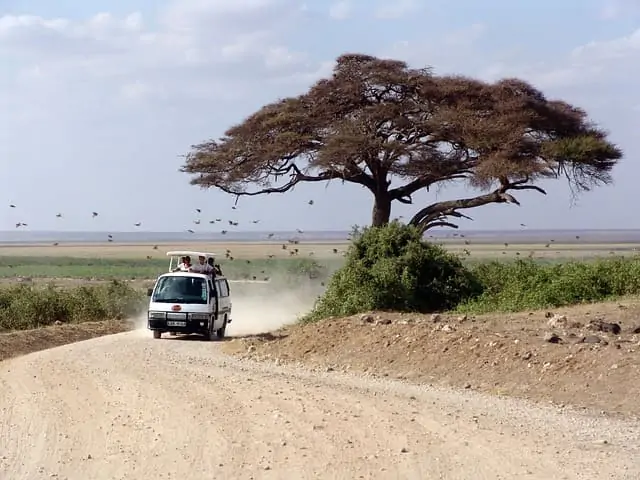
(157, 334)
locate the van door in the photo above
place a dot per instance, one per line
(224, 300)
(213, 299)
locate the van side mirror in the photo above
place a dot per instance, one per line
(149, 291)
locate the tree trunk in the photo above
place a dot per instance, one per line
(381, 210)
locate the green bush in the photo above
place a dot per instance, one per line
(393, 268)
(28, 306)
(526, 284)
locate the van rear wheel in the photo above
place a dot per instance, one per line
(157, 334)
(221, 332)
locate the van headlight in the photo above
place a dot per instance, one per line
(157, 315)
(199, 316)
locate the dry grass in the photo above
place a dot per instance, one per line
(315, 249)
(142, 250)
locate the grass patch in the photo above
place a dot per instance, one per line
(26, 306)
(529, 285)
(114, 268)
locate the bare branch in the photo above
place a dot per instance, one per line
(296, 177)
(431, 225)
(426, 217)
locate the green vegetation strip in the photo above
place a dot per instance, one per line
(110, 268)
(392, 268)
(527, 285)
(387, 268)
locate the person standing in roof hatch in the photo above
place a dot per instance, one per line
(213, 267)
(202, 266)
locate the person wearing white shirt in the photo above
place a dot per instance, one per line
(201, 267)
(184, 265)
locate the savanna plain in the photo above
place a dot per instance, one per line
(537, 377)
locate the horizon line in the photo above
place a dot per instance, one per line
(524, 229)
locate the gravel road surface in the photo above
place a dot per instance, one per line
(130, 407)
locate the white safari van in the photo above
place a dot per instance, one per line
(187, 302)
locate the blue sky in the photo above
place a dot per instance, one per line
(99, 99)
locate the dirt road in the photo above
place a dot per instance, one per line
(130, 407)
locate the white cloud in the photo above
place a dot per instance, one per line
(454, 51)
(615, 62)
(341, 10)
(394, 9)
(616, 9)
(199, 43)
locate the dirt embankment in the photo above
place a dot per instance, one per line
(587, 356)
(22, 342)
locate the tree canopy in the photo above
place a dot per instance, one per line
(377, 119)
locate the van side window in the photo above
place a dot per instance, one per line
(223, 289)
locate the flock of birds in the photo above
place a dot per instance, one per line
(270, 236)
(198, 221)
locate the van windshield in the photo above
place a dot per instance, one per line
(181, 290)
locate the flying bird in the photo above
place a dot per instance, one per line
(12, 206)
(198, 210)
(94, 214)
(59, 215)
(138, 224)
(190, 231)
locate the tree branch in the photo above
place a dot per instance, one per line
(296, 176)
(440, 224)
(436, 214)
(404, 193)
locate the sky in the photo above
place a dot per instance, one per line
(99, 99)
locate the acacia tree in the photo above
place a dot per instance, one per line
(375, 120)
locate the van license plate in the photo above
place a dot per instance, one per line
(176, 324)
